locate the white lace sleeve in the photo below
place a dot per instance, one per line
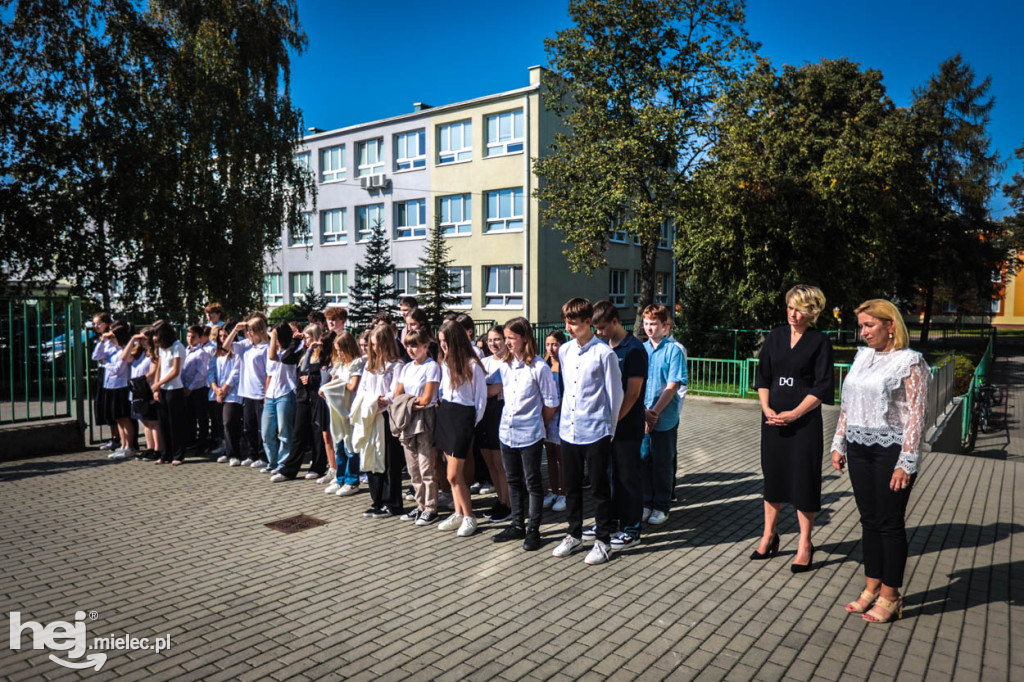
(914, 416)
(839, 440)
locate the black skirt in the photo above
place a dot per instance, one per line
(487, 430)
(453, 429)
(116, 404)
(321, 415)
(791, 460)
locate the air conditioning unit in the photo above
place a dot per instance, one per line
(382, 180)
(364, 181)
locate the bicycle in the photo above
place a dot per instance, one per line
(981, 414)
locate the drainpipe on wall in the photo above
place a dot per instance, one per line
(527, 203)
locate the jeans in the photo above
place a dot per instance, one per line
(522, 469)
(656, 474)
(302, 443)
(627, 491)
(348, 464)
(278, 414)
(882, 511)
(596, 456)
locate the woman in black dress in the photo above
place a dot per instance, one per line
(794, 377)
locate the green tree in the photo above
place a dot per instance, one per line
(374, 289)
(635, 83)
(309, 301)
(1013, 225)
(437, 292)
(954, 244)
(811, 170)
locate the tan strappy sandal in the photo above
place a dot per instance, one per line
(894, 610)
(866, 595)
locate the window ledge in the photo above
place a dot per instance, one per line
(518, 231)
(333, 182)
(409, 170)
(457, 235)
(499, 155)
(502, 307)
(344, 243)
(409, 239)
(452, 163)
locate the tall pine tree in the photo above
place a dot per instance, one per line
(374, 290)
(437, 291)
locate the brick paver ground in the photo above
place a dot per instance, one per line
(183, 551)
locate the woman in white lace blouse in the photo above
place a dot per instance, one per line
(885, 397)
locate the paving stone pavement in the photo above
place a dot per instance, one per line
(183, 551)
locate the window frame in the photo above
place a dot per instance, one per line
(453, 228)
(335, 298)
(416, 162)
(307, 241)
(504, 147)
(460, 154)
(341, 236)
(301, 275)
(416, 230)
(464, 273)
(375, 168)
(501, 224)
(617, 298)
(338, 174)
(505, 297)
(402, 275)
(363, 236)
(269, 297)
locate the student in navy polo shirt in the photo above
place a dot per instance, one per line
(666, 372)
(627, 493)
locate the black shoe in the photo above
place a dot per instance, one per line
(773, 550)
(426, 518)
(371, 513)
(532, 541)
(386, 512)
(803, 568)
(499, 512)
(513, 532)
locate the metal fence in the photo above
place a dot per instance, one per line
(979, 377)
(42, 358)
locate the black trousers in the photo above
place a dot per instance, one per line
(596, 456)
(525, 483)
(304, 436)
(173, 418)
(386, 488)
(627, 486)
(216, 412)
(231, 417)
(252, 438)
(198, 415)
(882, 511)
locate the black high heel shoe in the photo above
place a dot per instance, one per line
(773, 550)
(803, 568)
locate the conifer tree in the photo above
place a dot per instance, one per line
(374, 288)
(437, 291)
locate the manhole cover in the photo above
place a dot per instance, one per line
(293, 524)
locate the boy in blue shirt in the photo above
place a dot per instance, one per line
(666, 373)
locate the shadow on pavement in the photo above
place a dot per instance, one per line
(30, 468)
(970, 587)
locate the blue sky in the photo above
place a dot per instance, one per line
(370, 60)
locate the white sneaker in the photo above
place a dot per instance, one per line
(657, 518)
(235, 462)
(590, 534)
(453, 522)
(549, 500)
(313, 476)
(247, 461)
(259, 464)
(623, 540)
(567, 546)
(646, 515)
(559, 504)
(129, 453)
(331, 475)
(600, 553)
(468, 527)
(277, 478)
(117, 454)
(346, 490)
(486, 489)
(222, 459)
(332, 488)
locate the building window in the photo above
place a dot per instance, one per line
(370, 155)
(462, 283)
(407, 282)
(661, 288)
(617, 287)
(636, 288)
(617, 234)
(272, 292)
(332, 226)
(332, 163)
(298, 283)
(334, 285)
(667, 235)
(505, 133)
(302, 160)
(455, 142)
(456, 214)
(411, 219)
(504, 286)
(304, 239)
(411, 150)
(367, 218)
(504, 210)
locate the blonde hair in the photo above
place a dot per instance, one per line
(807, 299)
(881, 309)
(313, 331)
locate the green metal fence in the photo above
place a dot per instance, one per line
(736, 378)
(42, 358)
(971, 396)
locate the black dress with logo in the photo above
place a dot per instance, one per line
(791, 456)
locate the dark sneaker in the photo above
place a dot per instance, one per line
(532, 541)
(371, 513)
(499, 512)
(413, 515)
(385, 512)
(511, 533)
(426, 518)
(623, 540)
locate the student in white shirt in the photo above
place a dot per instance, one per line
(116, 369)
(487, 431)
(531, 399)
(279, 402)
(463, 401)
(420, 378)
(553, 444)
(141, 352)
(590, 409)
(379, 380)
(347, 367)
(252, 383)
(227, 371)
(169, 393)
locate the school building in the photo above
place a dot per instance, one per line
(468, 164)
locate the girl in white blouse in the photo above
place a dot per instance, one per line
(378, 381)
(885, 397)
(463, 400)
